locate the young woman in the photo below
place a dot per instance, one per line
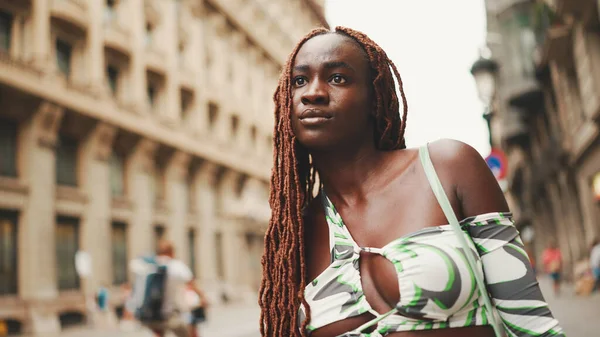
(552, 259)
(366, 251)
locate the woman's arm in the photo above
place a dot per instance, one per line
(509, 276)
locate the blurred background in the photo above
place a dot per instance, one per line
(126, 121)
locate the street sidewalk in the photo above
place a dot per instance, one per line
(577, 315)
(223, 321)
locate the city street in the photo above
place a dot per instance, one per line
(577, 315)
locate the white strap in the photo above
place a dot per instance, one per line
(442, 199)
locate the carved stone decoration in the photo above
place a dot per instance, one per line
(196, 7)
(178, 165)
(47, 122)
(219, 23)
(143, 155)
(152, 12)
(238, 40)
(104, 135)
(207, 174)
(183, 36)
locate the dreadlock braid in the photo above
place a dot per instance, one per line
(293, 180)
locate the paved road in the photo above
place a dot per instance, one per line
(579, 316)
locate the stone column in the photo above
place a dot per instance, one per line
(564, 235)
(138, 169)
(231, 251)
(95, 47)
(575, 222)
(169, 46)
(137, 69)
(586, 199)
(176, 197)
(206, 197)
(96, 220)
(37, 254)
(40, 23)
(197, 59)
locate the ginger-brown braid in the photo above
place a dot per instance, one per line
(293, 180)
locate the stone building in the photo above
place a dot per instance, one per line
(123, 121)
(547, 112)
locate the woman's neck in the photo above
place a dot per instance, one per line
(350, 176)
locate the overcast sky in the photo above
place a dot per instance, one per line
(433, 43)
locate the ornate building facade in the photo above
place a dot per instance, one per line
(124, 121)
(547, 110)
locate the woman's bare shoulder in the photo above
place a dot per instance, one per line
(464, 167)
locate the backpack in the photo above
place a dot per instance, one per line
(150, 306)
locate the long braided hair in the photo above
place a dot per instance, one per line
(293, 180)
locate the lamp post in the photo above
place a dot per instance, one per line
(484, 71)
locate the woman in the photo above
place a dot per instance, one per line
(595, 262)
(553, 264)
(380, 262)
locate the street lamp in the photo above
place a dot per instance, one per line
(484, 71)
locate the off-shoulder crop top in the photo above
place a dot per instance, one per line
(438, 288)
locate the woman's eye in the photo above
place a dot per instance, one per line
(299, 81)
(337, 79)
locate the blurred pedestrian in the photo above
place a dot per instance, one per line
(159, 291)
(552, 260)
(595, 261)
(197, 304)
(102, 298)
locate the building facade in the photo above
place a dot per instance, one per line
(124, 121)
(547, 110)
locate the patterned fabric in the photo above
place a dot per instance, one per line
(438, 289)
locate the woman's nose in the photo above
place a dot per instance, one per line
(315, 94)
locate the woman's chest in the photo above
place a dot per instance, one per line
(376, 225)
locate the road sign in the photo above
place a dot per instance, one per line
(497, 163)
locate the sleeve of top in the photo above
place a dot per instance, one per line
(181, 272)
(510, 279)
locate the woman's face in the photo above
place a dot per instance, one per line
(331, 93)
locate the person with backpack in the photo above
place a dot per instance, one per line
(158, 297)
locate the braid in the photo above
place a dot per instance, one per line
(293, 180)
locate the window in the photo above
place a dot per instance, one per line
(109, 10)
(154, 89)
(151, 95)
(8, 148)
(149, 34)
(157, 189)
(64, 52)
(219, 255)
(235, 123)
(181, 55)
(112, 75)
(159, 234)
(6, 20)
(8, 253)
(208, 59)
(119, 252)
(520, 43)
(253, 133)
(213, 112)
(192, 249)
(67, 245)
(187, 98)
(66, 161)
(116, 175)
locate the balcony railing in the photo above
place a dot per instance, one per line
(73, 12)
(117, 37)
